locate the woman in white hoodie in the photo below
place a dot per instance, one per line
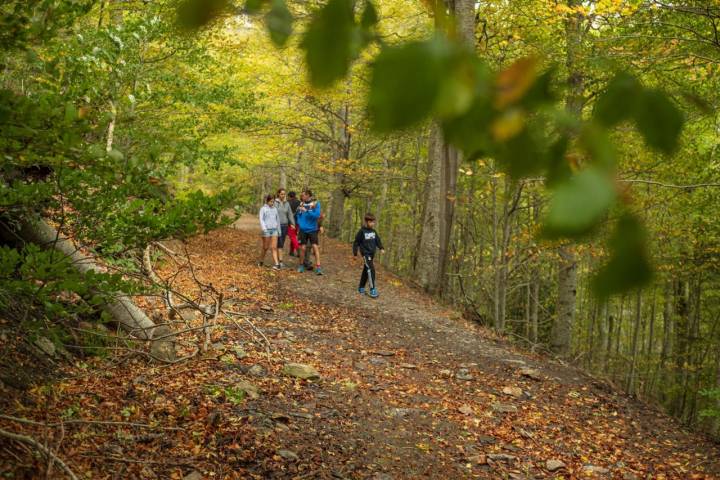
(270, 225)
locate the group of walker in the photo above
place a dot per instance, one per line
(283, 217)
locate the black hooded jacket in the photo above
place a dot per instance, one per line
(367, 241)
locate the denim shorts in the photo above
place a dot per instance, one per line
(270, 232)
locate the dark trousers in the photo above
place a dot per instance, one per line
(368, 273)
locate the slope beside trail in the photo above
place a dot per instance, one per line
(408, 390)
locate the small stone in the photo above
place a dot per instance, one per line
(194, 475)
(501, 457)
(513, 391)
(594, 470)
(486, 440)
(250, 390)
(553, 465)
(383, 353)
(309, 351)
(466, 410)
(288, 454)
(463, 374)
(299, 370)
(504, 408)
(409, 366)
(531, 373)
(239, 352)
(401, 412)
(378, 361)
(478, 459)
(266, 308)
(445, 373)
(48, 347)
(256, 371)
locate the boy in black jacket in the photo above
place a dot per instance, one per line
(367, 241)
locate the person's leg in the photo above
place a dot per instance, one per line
(316, 251)
(371, 271)
(363, 276)
(301, 267)
(294, 244)
(263, 249)
(273, 247)
(281, 242)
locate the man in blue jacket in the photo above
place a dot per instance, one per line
(308, 214)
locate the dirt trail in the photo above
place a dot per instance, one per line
(408, 390)
(447, 426)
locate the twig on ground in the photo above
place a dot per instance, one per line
(42, 448)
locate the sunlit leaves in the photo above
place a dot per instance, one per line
(328, 43)
(628, 266)
(279, 22)
(579, 204)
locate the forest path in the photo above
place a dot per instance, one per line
(434, 395)
(408, 390)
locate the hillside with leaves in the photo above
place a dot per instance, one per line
(544, 177)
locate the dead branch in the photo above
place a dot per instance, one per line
(42, 448)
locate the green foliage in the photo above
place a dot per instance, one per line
(628, 266)
(279, 22)
(328, 42)
(713, 395)
(579, 204)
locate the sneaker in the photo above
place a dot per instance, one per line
(282, 265)
(361, 291)
(374, 293)
(318, 271)
(277, 266)
(301, 268)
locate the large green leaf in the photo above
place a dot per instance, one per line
(628, 266)
(406, 82)
(279, 22)
(579, 204)
(328, 42)
(659, 120)
(193, 14)
(619, 100)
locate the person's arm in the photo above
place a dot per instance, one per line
(378, 242)
(262, 221)
(356, 243)
(314, 213)
(290, 214)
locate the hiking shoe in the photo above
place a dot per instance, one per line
(277, 266)
(318, 271)
(361, 291)
(374, 293)
(281, 265)
(301, 268)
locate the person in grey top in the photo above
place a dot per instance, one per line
(285, 214)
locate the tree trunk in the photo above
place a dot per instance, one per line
(122, 309)
(567, 267)
(441, 185)
(634, 353)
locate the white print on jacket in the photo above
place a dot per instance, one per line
(369, 235)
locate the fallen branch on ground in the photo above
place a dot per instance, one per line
(42, 448)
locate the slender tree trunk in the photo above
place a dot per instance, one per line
(630, 388)
(567, 268)
(441, 184)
